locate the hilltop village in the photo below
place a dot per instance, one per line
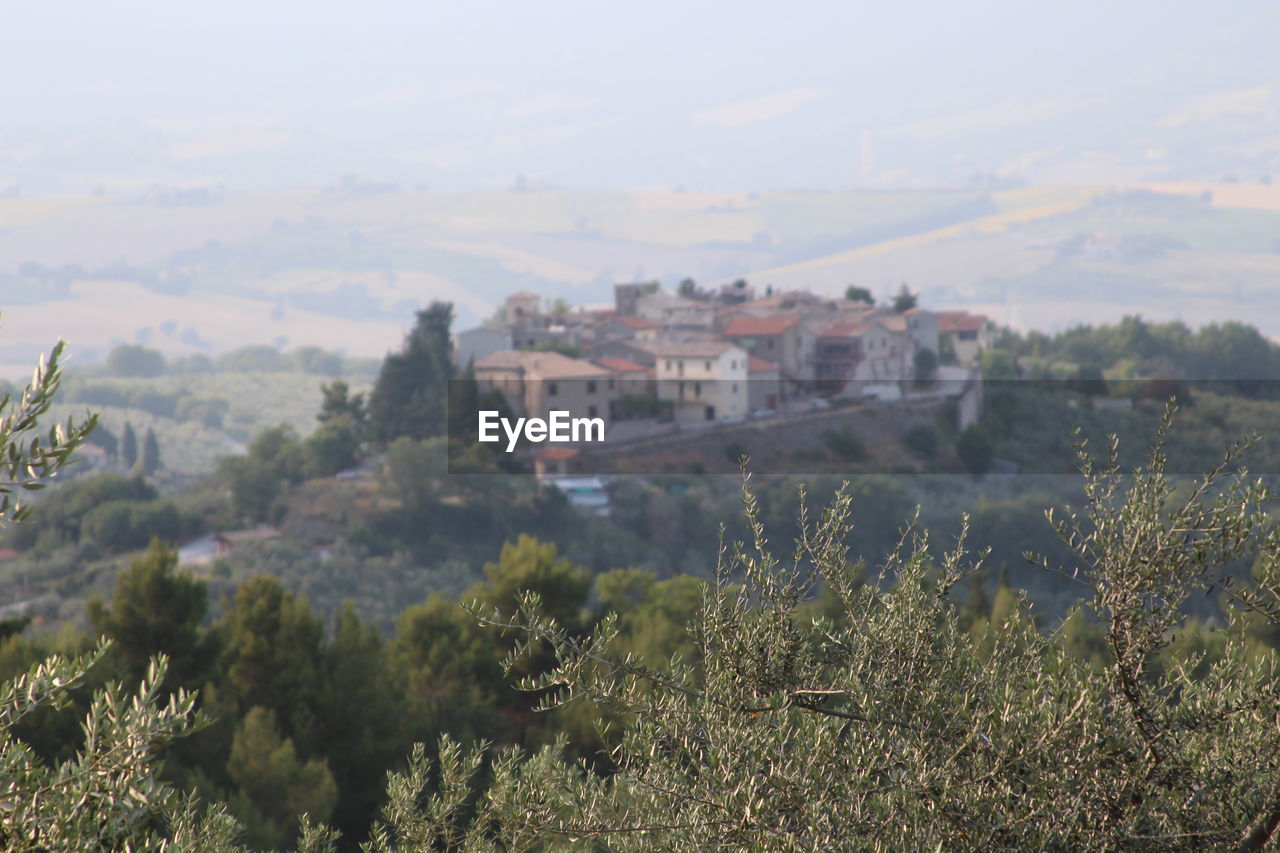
(707, 356)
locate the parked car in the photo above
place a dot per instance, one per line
(763, 413)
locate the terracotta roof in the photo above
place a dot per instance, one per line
(620, 365)
(7, 553)
(759, 365)
(540, 365)
(960, 321)
(687, 349)
(635, 322)
(744, 324)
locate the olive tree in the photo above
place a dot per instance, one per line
(27, 458)
(884, 726)
(108, 796)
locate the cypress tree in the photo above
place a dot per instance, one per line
(129, 446)
(150, 452)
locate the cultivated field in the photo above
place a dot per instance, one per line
(346, 269)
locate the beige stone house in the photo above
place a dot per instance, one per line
(536, 383)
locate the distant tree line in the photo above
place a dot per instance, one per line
(1230, 352)
(138, 361)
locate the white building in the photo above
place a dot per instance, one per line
(705, 380)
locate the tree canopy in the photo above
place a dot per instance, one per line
(409, 397)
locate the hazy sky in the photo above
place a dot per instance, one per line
(742, 95)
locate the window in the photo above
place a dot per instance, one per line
(697, 389)
(708, 366)
(591, 412)
(610, 385)
(733, 365)
(668, 364)
(551, 389)
(735, 387)
(591, 386)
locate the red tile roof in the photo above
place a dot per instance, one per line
(960, 321)
(620, 365)
(637, 323)
(744, 325)
(759, 365)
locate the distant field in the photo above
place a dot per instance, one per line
(95, 316)
(346, 271)
(976, 228)
(1209, 229)
(943, 270)
(1247, 196)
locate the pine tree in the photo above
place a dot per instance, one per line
(276, 785)
(156, 609)
(338, 401)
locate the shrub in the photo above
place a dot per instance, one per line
(845, 444)
(921, 438)
(975, 449)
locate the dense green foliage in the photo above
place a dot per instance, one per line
(715, 696)
(803, 708)
(881, 724)
(1229, 352)
(409, 398)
